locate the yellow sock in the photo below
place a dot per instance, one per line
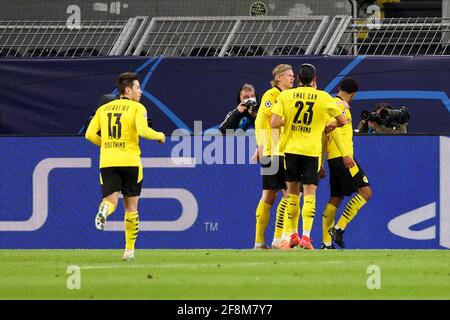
(287, 225)
(131, 229)
(293, 210)
(308, 213)
(350, 211)
(279, 222)
(328, 222)
(109, 205)
(262, 220)
(294, 227)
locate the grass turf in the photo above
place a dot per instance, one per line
(225, 274)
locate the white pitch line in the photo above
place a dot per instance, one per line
(178, 265)
(198, 265)
(114, 266)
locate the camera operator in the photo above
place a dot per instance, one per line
(384, 119)
(243, 116)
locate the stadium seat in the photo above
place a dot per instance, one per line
(413, 9)
(9, 53)
(243, 51)
(341, 51)
(41, 52)
(446, 50)
(204, 52)
(288, 51)
(80, 52)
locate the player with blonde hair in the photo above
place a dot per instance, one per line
(272, 160)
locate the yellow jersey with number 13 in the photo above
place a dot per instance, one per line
(121, 122)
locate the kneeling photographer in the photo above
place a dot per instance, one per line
(384, 119)
(243, 116)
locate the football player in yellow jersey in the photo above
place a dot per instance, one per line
(346, 175)
(304, 112)
(120, 123)
(272, 160)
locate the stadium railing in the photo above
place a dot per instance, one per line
(58, 39)
(226, 37)
(232, 36)
(391, 36)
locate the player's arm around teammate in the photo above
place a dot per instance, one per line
(304, 111)
(272, 161)
(346, 175)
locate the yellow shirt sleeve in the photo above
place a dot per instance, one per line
(260, 128)
(340, 143)
(277, 107)
(333, 108)
(332, 121)
(142, 127)
(93, 128)
(266, 103)
(336, 136)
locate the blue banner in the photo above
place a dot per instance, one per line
(206, 195)
(57, 96)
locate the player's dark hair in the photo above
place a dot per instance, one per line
(349, 85)
(125, 80)
(306, 73)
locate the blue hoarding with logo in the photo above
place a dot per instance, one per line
(206, 198)
(57, 96)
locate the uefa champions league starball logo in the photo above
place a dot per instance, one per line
(258, 8)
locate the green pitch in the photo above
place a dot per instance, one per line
(225, 274)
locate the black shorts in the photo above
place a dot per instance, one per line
(273, 178)
(302, 168)
(122, 179)
(342, 183)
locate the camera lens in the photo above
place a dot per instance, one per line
(365, 115)
(384, 114)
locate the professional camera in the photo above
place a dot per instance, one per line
(251, 104)
(371, 116)
(395, 116)
(387, 115)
